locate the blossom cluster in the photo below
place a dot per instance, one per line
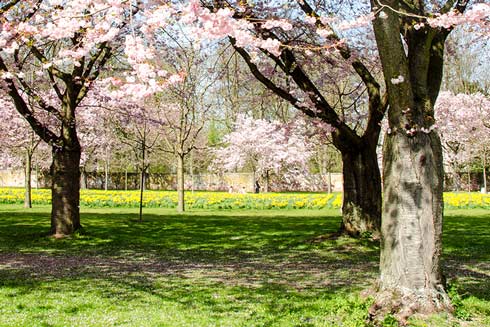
(478, 14)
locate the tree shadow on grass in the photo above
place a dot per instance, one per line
(191, 259)
(223, 261)
(198, 237)
(466, 252)
(277, 290)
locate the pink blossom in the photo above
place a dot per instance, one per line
(478, 14)
(281, 23)
(271, 45)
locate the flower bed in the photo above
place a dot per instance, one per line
(168, 199)
(222, 200)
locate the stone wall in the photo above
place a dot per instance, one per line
(211, 182)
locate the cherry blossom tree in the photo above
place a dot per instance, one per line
(63, 44)
(412, 154)
(462, 122)
(291, 72)
(266, 147)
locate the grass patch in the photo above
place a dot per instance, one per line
(213, 268)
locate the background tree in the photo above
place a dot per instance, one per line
(18, 144)
(185, 107)
(462, 122)
(465, 68)
(267, 148)
(98, 137)
(135, 125)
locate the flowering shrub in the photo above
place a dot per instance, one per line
(222, 200)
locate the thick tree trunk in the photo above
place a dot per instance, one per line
(65, 190)
(412, 226)
(411, 280)
(28, 186)
(180, 184)
(361, 208)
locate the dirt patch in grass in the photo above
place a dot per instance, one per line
(297, 275)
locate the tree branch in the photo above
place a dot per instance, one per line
(43, 131)
(268, 83)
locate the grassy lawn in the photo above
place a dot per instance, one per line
(215, 268)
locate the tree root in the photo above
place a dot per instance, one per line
(402, 307)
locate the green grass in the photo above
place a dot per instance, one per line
(214, 268)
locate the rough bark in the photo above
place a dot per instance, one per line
(411, 279)
(180, 183)
(65, 190)
(361, 208)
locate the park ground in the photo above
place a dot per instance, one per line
(216, 268)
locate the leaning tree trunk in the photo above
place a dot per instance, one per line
(180, 183)
(28, 186)
(65, 190)
(412, 226)
(361, 207)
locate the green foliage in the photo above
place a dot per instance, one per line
(390, 321)
(457, 302)
(215, 134)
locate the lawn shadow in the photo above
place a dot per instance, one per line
(207, 256)
(467, 252)
(252, 257)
